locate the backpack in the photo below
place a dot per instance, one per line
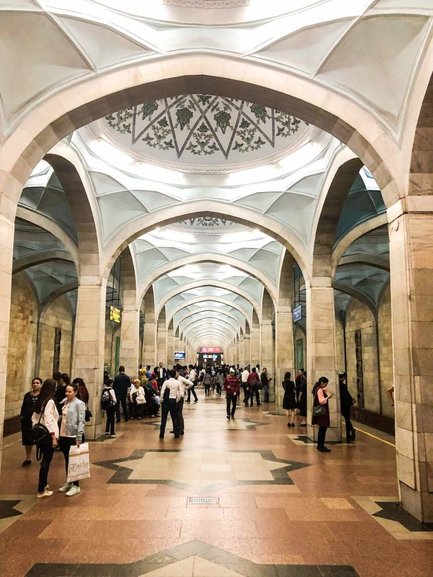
(106, 399)
(41, 435)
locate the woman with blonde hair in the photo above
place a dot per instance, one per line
(71, 432)
(137, 400)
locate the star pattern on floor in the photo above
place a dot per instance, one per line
(191, 559)
(398, 522)
(12, 507)
(202, 469)
(213, 423)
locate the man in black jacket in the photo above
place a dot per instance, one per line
(121, 385)
(346, 402)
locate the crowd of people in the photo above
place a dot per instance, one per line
(62, 406)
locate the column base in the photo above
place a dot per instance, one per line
(333, 434)
(417, 503)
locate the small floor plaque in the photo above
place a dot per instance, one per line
(203, 500)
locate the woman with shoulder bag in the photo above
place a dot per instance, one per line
(71, 432)
(27, 409)
(46, 414)
(321, 412)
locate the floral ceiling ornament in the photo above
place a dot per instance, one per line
(203, 125)
(206, 221)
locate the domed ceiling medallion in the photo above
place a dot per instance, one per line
(204, 129)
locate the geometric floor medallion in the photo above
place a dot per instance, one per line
(201, 469)
(193, 559)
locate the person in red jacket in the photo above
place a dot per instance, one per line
(231, 387)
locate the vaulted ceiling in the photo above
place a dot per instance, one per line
(266, 170)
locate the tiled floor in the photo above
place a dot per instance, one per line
(245, 497)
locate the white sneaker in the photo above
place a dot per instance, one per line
(64, 488)
(74, 490)
(46, 493)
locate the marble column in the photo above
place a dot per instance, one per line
(322, 353)
(89, 342)
(255, 346)
(129, 330)
(149, 344)
(161, 339)
(267, 354)
(170, 348)
(284, 352)
(411, 267)
(247, 351)
(178, 346)
(7, 232)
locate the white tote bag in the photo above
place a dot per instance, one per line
(79, 464)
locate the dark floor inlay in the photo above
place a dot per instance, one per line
(7, 508)
(393, 511)
(263, 468)
(172, 560)
(214, 420)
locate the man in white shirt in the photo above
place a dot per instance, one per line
(244, 384)
(192, 377)
(186, 384)
(169, 403)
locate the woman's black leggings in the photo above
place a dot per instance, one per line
(321, 437)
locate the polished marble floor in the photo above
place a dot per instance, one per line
(243, 497)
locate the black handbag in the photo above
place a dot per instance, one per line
(319, 410)
(88, 415)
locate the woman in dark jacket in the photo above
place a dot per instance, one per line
(27, 409)
(289, 399)
(321, 412)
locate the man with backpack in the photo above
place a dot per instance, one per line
(108, 404)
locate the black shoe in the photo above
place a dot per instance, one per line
(349, 440)
(196, 401)
(26, 463)
(258, 404)
(233, 416)
(324, 449)
(176, 436)
(161, 436)
(228, 417)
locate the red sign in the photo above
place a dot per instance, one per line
(216, 350)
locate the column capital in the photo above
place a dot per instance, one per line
(319, 282)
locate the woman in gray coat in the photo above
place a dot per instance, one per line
(71, 432)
